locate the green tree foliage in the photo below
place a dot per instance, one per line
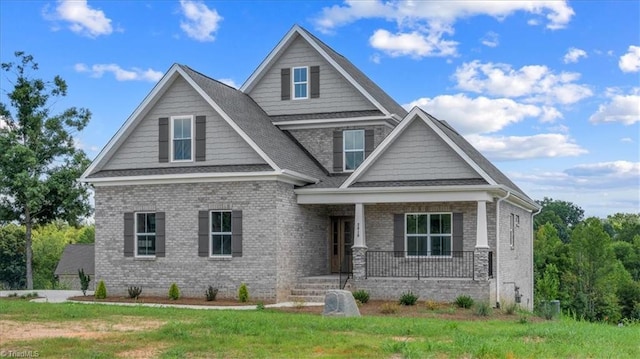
(561, 214)
(40, 164)
(12, 257)
(623, 226)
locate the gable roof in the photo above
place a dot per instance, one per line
(77, 256)
(485, 169)
(351, 73)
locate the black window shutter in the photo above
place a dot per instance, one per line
(236, 233)
(203, 233)
(201, 142)
(285, 83)
(128, 234)
(315, 81)
(368, 142)
(163, 139)
(160, 247)
(398, 235)
(337, 151)
(457, 234)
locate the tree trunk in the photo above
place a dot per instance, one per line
(27, 245)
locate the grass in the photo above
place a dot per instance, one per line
(269, 333)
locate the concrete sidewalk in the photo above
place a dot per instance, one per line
(61, 296)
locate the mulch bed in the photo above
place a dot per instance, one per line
(166, 300)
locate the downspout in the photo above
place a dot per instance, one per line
(533, 237)
(497, 258)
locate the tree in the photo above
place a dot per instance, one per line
(563, 215)
(39, 165)
(12, 257)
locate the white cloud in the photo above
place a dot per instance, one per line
(600, 175)
(547, 145)
(630, 62)
(200, 22)
(626, 140)
(624, 108)
(476, 115)
(414, 44)
(423, 24)
(229, 82)
(134, 74)
(490, 39)
(533, 83)
(573, 55)
(82, 19)
(3, 122)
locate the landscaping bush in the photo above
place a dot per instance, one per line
(431, 304)
(260, 306)
(361, 295)
(388, 308)
(101, 290)
(211, 293)
(483, 309)
(134, 292)
(84, 281)
(408, 298)
(243, 293)
(174, 291)
(464, 301)
(510, 308)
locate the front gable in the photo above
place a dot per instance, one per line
(223, 145)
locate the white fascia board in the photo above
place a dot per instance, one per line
(333, 122)
(196, 178)
(299, 176)
(155, 93)
(394, 195)
(228, 119)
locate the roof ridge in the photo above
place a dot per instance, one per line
(209, 77)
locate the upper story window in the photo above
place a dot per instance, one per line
(221, 233)
(300, 83)
(428, 234)
(353, 149)
(182, 138)
(145, 234)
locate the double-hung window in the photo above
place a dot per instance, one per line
(300, 83)
(145, 234)
(182, 138)
(220, 233)
(353, 149)
(428, 234)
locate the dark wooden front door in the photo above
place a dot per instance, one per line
(341, 243)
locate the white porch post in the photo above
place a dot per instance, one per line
(482, 240)
(359, 246)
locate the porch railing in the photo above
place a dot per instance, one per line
(425, 265)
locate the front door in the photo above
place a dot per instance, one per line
(341, 243)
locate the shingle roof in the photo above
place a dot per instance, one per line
(252, 119)
(325, 115)
(374, 90)
(77, 256)
(181, 169)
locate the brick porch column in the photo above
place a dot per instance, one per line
(359, 248)
(481, 264)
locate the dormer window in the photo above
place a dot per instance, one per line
(300, 83)
(181, 138)
(353, 149)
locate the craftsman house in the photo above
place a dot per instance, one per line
(308, 171)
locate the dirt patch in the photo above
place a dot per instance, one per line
(165, 300)
(13, 330)
(142, 353)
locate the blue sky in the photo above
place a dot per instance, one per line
(548, 90)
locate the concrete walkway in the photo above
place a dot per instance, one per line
(60, 296)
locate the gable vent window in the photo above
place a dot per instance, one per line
(300, 83)
(353, 149)
(182, 135)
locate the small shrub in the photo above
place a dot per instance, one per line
(483, 309)
(84, 281)
(211, 293)
(298, 304)
(389, 308)
(524, 319)
(464, 301)
(408, 298)
(174, 292)
(29, 295)
(260, 306)
(361, 295)
(101, 290)
(243, 293)
(431, 304)
(359, 303)
(510, 308)
(134, 292)
(13, 295)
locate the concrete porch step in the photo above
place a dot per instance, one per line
(309, 292)
(313, 289)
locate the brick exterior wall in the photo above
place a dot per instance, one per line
(281, 240)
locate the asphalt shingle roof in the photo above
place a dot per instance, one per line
(77, 256)
(181, 169)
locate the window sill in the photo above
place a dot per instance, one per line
(144, 258)
(220, 258)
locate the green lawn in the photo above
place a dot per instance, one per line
(101, 331)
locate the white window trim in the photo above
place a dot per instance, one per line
(406, 235)
(294, 83)
(344, 150)
(171, 139)
(135, 236)
(211, 255)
